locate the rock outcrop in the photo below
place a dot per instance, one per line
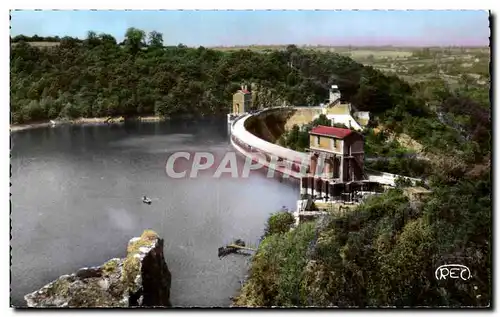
(142, 279)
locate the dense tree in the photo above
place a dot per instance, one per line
(92, 39)
(135, 39)
(155, 39)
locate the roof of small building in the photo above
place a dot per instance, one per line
(243, 91)
(331, 131)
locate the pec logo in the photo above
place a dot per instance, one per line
(453, 271)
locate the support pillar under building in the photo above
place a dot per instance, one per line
(341, 169)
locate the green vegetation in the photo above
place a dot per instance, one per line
(279, 222)
(110, 267)
(392, 157)
(406, 166)
(380, 145)
(98, 77)
(275, 268)
(385, 252)
(382, 254)
(132, 264)
(402, 182)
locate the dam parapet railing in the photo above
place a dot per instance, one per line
(249, 144)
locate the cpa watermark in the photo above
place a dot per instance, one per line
(229, 164)
(453, 271)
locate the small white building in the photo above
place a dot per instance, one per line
(344, 113)
(334, 95)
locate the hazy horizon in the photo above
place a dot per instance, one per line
(268, 28)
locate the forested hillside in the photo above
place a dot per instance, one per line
(99, 77)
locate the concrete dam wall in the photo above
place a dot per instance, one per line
(302, 116)
(254, 136)
(269, 125)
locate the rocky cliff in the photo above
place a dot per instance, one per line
(140, 279)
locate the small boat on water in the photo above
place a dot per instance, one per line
(146, 200)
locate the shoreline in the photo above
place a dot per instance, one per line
(98, 120)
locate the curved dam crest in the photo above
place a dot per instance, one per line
(253, 135)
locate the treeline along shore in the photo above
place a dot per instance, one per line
(84, 121)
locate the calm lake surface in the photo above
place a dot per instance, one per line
(76, 201)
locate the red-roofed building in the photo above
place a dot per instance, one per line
(338, 133)
(340, 150)
(242, 101)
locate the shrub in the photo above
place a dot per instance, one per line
(279, 223)
(403, 182)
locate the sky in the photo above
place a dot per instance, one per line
(230, 28)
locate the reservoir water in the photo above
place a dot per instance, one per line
(76, 201)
